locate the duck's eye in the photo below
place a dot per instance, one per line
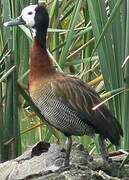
(29, 13)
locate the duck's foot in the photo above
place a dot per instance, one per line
(104, 150)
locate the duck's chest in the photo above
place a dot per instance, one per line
(40, 91)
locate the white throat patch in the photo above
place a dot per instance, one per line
(33, 33)
(28, 14)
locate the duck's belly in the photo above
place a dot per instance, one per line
(59, 114)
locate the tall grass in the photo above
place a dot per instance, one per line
(89, 40)
(112, 50)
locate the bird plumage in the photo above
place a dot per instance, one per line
(68, 100)
(65, 102)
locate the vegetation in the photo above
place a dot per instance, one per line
(89, 40)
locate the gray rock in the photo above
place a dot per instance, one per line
(44, 161)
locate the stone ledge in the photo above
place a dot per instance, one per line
(44, 161)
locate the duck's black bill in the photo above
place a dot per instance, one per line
(15, 22)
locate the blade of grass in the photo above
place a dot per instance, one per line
(126, 85)
(70, 34)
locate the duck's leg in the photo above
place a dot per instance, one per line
(103, 149)
(68, 150)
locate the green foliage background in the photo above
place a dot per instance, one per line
(89, 40)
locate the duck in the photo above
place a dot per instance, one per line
(65, 102)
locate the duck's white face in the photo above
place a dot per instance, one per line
(35, 16)
(28, 15)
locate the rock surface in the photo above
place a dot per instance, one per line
(43, 161)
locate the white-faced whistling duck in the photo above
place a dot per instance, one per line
(65, 102)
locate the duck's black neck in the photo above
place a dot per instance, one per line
(41, 37)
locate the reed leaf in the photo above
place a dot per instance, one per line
(70, 34)
(106, 43)
(126, 82)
